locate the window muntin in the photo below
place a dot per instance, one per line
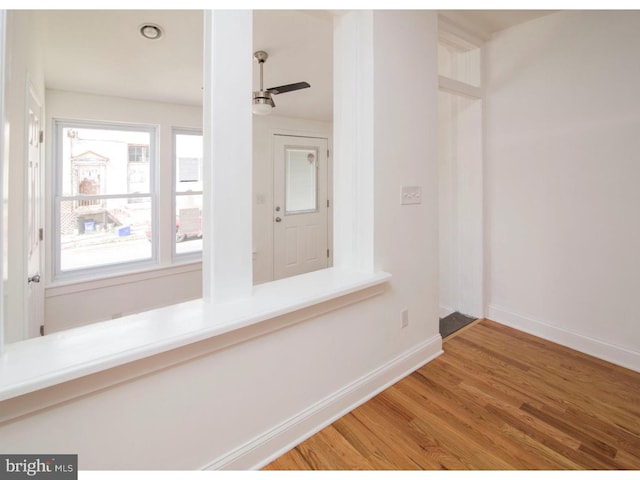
(105, 199)
(188, 149)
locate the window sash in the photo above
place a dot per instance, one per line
(115, 266)
(191, 255)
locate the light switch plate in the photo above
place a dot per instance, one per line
(411, 195)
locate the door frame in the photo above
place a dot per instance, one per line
(466, 190)
(271, 192)
(32, 328)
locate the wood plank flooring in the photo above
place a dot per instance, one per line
(497, 399)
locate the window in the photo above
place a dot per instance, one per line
(188, 193)
(138, 153)
(459, 59)
(138, 170)
(105, 197)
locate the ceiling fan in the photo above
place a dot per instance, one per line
(263, 99)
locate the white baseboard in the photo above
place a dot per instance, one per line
(271, 444)
(445, 311)
(575, 340)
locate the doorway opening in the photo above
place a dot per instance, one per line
(460, 170)
(460, 204)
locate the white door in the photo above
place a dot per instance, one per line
(300, 232)
(35, 290)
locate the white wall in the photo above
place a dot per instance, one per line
(237, 406)
(563, 230)
(66, 305)
(264, 127)
(23, 62)
(405, 153)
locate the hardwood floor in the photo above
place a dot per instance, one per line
(496, 399)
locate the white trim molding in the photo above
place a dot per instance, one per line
(457, 87)
(271, 444)
(568, 338)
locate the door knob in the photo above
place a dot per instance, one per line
(278, 219)
(34, 279)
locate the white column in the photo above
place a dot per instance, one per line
(353, 140)
(227, 267)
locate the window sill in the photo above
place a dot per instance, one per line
(42, 362)
(58, 287)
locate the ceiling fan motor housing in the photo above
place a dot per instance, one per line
(263, 96)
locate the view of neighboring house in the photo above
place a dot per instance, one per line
(105, 166)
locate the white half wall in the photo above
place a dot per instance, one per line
(220, 404)
(563, 230)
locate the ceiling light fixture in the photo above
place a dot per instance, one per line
(262, 101)
(151, 31)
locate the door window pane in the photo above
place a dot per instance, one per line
(301, 180)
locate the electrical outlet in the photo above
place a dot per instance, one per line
(405, 318)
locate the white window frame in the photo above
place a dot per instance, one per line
(175, 131)
(57, 197)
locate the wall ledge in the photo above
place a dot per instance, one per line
(43, 362)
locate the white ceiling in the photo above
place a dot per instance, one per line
(101, 52)
(492, 21)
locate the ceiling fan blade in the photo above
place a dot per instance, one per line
(288, 88)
